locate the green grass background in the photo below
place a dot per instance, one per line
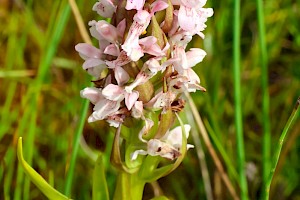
(41, 76)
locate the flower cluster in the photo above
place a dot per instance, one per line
(143, 66)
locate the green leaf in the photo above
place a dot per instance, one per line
(159, 173)
(160, 198)
(37, 179)
(100, 189)
(166, 121)
(168, 18)
(157, 32)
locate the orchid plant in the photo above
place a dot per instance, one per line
(141, 69)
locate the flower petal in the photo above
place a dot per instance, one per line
(113, 92)
(112, 50)
(158, 6)
(93, 62)
(140, 79)
(88, 51)
(165, 150)
(153, 65)
(174, 137)
(130, 99)
(137, 110)
(135, 4)
(193, 3)
(194, 56)
(121, 28)
(103, 109)
(122, 59)
(108, 31)
(105, 8)
(135, 154)
(150, 46)
(92, 94)
(187, 18)
(121, 76)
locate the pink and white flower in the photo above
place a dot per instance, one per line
(192, 17)
(168, 146)
(93, 59)
(141, 21)
(103, 107)
(105, 8)
(135, 4)
(117, 93)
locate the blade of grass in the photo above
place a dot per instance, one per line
(222, 151)
(16, 73)
(9, 63)
(210, 148)
(79, 129)
(30, 113)
(237, 100)
(37, 179)
(201, 158)
(84, 109)
(83, 32)
(10, 157)
(266, 141)
(291, 119)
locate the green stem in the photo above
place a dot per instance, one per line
(70, 173)
(129, 186)
(266, 148)
(291, 119)
(237, 100)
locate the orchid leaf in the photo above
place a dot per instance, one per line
(168, 18)
(165, 124)
(149, 165)
(159, 173)
(157, 32)
(37, 179)
(100, 189)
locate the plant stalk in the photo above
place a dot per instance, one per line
(237, 100)
(266, 145)
(129, 186)
(291, 119)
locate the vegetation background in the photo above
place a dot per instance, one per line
(41, 76)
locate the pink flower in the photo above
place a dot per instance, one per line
(121, 75)
(192, 17)
(121, 60)
(168, 146)
(150, 68)
(135, 4)
(161, 100)
(103, 107)
(131, 45)
(141, 21)
(105, 8)
(149, 45)
(117, 93)
(137, 110)
(103, 43)
(140, 79)
(182, 60)
(188, 81)
(93, 59)
(107, 31)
